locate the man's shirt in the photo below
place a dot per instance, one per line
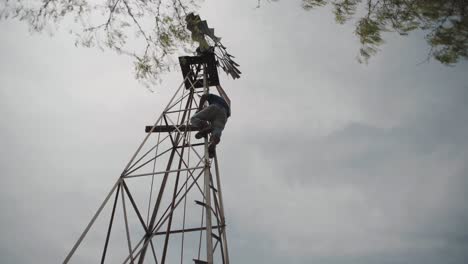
(214, 99)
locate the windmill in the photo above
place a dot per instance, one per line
(167, 204)
(209, 43)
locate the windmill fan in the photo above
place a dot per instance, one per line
(209, 43)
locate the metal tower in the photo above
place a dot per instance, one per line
(169, 194)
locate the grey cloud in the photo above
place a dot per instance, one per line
(397, 189)
(324, 160)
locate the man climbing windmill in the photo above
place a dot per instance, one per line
(212, 119)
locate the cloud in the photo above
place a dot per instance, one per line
(323, 160)
(361, 191)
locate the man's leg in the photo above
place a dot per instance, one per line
(214, 140)
(218, 125)
(204, 132)
(200, 120)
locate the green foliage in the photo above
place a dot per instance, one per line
(343, 10)
(444, 21)
(310, 4)
(369, 32)
(149, 31)
(152, 30)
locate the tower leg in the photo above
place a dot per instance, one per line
(209, 238)
(221, 211)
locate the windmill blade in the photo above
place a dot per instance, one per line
(230, 66)
(200, 29)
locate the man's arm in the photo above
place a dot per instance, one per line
(202, 101)
(223, 94)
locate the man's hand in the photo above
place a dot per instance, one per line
(202, 102)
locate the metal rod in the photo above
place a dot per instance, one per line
(160, 223)
(174, 195)
(168, 128)
(161, 172)
(201, 231)
(191, 174)
(156, 208)
(169, 224)
(163, 184)
(216, 213)
(126, 226)
(176, 111)
(132, 201)
(90, 223)
(180, 190)
(144, 155)
(152, 183)
(154, 253)
(191, 145)
(209, 241)
(185, 206)
(148, 161)
(196, 152)
(135, 249)
(111, 221)
(157, 121)
(164, 218)
(178, 101)
(221, 209)
(184, 230)
(170, 134)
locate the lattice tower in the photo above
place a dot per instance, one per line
(166, 206)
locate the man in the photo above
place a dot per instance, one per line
(216, 113)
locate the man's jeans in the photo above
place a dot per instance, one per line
(214, 114)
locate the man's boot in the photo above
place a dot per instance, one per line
(204, 131)
(214, 140)
(211, 150)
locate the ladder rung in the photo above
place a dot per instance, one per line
(212, 187)
(215, 236)
(197, 261)
(200, 203)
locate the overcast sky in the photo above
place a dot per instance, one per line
(337, 162)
